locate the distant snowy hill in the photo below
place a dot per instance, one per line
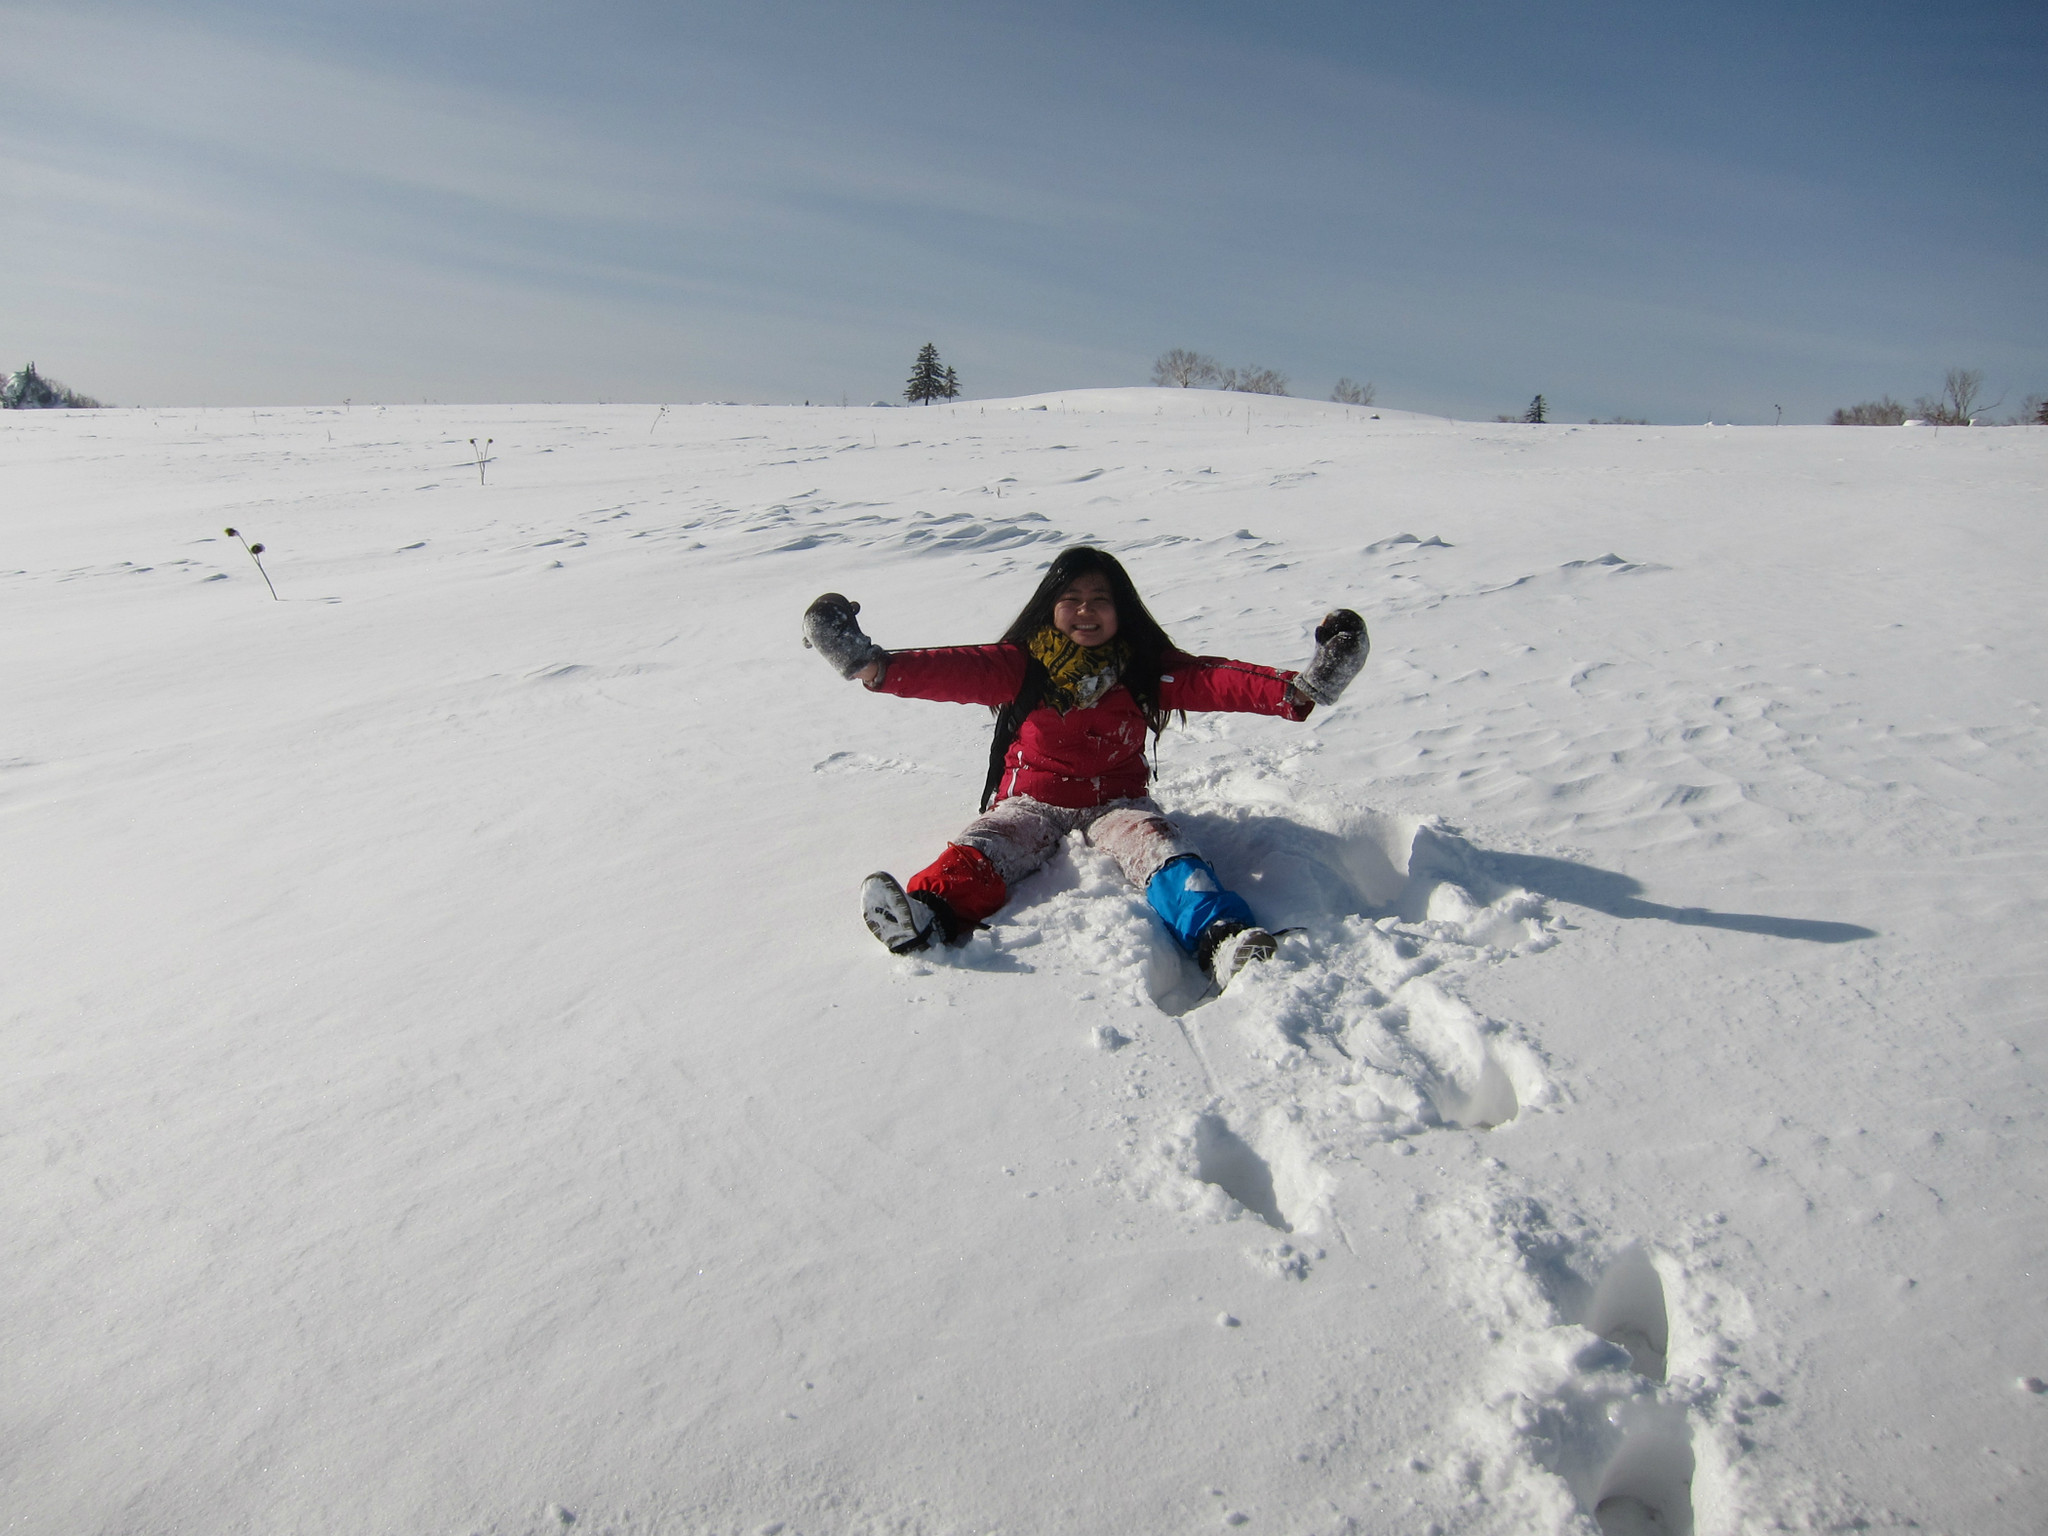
(449, 1087)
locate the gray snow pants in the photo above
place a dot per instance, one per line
(1019, 834)
(1015, 836)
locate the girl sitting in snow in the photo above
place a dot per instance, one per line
(1077, 681)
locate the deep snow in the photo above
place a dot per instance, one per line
(449, 1087)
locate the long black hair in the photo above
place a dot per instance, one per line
(1141, 634)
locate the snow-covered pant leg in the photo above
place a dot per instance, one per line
(1157, 857)
(1018, 835)
(961, 887)
(1138, 836)
(974, 875)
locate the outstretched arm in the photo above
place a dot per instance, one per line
(1218, 683)
(962, 674)
(1204, 683)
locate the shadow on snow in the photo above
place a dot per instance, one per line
(1376, 865)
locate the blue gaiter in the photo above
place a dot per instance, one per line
(1188, 897)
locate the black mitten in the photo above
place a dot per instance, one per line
(1341, 648)
(832, 631)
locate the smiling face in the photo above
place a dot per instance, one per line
(1085, 611)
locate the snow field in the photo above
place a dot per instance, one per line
(450, 1089)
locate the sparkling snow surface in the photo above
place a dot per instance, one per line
(449, 1088)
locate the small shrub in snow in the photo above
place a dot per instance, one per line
(1183, 369)
(1882, 412)
(1958, 405)
(255, 553)
(27, 390)
(1253, 381)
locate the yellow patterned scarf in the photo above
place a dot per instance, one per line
(1077, 675)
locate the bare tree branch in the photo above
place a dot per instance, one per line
(1960, 389)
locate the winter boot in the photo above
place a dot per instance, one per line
(902, 922)
(1226, 947)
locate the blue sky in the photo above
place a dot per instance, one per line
(1677, 212)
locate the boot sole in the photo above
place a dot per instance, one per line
(1252, 944)
(885, 908)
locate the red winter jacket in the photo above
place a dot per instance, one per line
(1086, 756)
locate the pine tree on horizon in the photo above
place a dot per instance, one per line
(927, 377)
(952, 389)
(1538, 412)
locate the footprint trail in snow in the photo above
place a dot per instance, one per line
(1613, 1388)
